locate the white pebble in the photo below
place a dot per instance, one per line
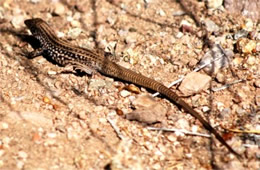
(52, 72)
(4, 125)
(125, 93)
(22, 155)
(52, 135)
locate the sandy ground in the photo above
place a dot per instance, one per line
(52, 120)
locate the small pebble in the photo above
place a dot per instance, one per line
(46, 100)
(4, 125)
(52, 135)
(17, 21)
(257, 83)
(245, 45)
(36, 137)
(162, 13)
(125, 93)
(111, 20)
(220, 106)
(214, 4)
(60, 34)
(6, 141)
(97, 83)
(119, 112)
(194, 128)
(189, 155)
(59, 8)
(35, 1)
(240, 34)
(132, 88)
(22, 155)
(249, 25)
(205, 109)
(20, 164)
(75, 24)
(221, 78)
(50, 142)
(74, 33)
(211, 26)
(1, 163)
(82, 115)
(52, 72)
(178, 13)
(171, 138)
(237, 61)
(257, 100)
(183, 124)
(251, 60)
(185, 22)
(1, 152)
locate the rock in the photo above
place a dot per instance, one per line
(194, 83)
(148, 110)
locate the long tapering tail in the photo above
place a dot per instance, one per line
(114, 70)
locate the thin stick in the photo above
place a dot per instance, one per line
(179, 130)
(227, 85)
(115, 127)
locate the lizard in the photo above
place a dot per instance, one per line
(90, 61)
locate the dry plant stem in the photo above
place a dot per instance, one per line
(179, 130)
(227, 85)
(115, 127)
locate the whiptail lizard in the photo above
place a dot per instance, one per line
(64, 53)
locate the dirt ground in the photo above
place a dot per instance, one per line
(55, 120)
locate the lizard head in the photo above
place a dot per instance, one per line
(33, 24)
